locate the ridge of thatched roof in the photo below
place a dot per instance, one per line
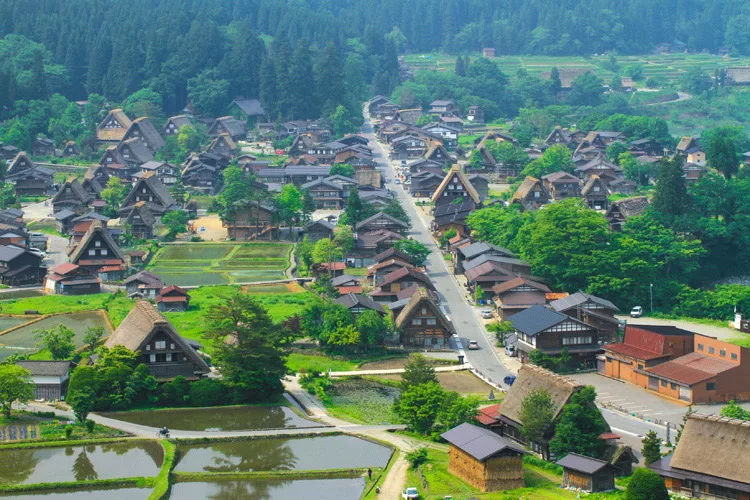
(716, 446)
(631, 207)
(593, 181)
(531, 378)
(525, 188)
(77, 190)
(148, 132)
(96, 227)
(421, 297)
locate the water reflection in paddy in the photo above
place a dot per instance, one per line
(80, 463)
(309, 453)
(231, 418)
(307, 489)
(101, 494)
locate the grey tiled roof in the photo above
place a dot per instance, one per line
(478, 442)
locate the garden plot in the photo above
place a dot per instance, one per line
(198, 264)
(24, 339)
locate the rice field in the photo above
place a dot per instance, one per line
(196, 264)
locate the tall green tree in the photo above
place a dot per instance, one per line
(15, 386)
(58, 341)
(670, 197)
(723, 146)
(579, 426)
(537, 415)
(651, 450)
(417, 371)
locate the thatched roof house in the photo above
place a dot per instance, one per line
(713, 457)
(423, 323)
(160, 346)
(483, 459)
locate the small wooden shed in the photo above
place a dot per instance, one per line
(484, 459)
(586, 473)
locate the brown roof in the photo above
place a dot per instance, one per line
(96, 227)
(738, 75)
(631, 207)
(593, 181)
(113, 134)
(691, 368)
(138, 326)
(488, 267)
(525, 188)
(515, 282)
(715, 446)
(422, 298)
(375, 267)
(531, 378)
(404, 271)
(456, 171)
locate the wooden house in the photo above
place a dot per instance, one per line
(621, 210)
(374, 104)
(19, 266)
(447, 133)
(43, 147)
(550, 331)
(595, 193)
(492, 271)
(64, 220)
(173, 299)
(715, 372)
(424, 184)
(112, 129)
(381, 220)
(357, 303)
(71, 196)
(70, 149)
(70, 279)
(319, 229)
(559, 135)
(398, 280)
(453, 216)
(248, 109)
(483, 459)
(201, 176)
(587, 474)
(599, 166)
(143, 129)
(562, 185)
(711, 460)
(139, 221)
(592, 310)
(393, 254)
(482, 186)
(50, 378)
(228, 125)
(444, 107)
(532, 378)
(223, 145)
(517, 294)
(175, 123)
(143, 285)
(456, 184)
(252, 221)
(474, 250)
(27, 177)
(165, 172)
(153, 193)
(408, 146)
(737, 76)
(160, 346)
(531, 194)
(423, 324)
(377, 272)
(326, 194)
(98, 253)
(475, 114)
(642, 347)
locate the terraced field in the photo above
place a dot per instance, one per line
(196, 264)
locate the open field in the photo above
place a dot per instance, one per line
(195, 264)
(668, 66)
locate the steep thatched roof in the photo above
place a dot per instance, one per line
(138, 326)
(531, 378)
(422, 299)
(456, 171)
(715, 446)
(97, 227)
(631, 207)
(525, 188)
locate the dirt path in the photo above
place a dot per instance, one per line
(394, 482)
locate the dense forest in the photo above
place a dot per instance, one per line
(114, 47)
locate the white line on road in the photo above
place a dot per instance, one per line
(623, 431)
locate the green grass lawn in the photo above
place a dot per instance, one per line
(433, 481)
(356, 271)
(297, 362)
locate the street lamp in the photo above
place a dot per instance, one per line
(651, 290)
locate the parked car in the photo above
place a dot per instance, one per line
(510, 350)
(473, 345)
(508, 380)
(410, 493)
(398, 181)
(636, 312)
(486, 313)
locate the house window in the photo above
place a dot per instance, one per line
(596, 189)
(710, 350)
(92, 252)
(663, 383)
(97, 244)
(148, 347)
(700, 347)
(416, 322)
(536, 194)
(640, 367)
(710, 386)
(160, 344)
(722, 353)
(171, 346)
(169, 357)
(152, 358)
(424, 311)
(104, 251)
(431, 321)
(733, 356)
(673, 386)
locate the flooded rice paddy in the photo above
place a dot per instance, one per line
(100, 494)
(282, 454)
(272, 489)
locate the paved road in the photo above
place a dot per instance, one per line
(463, 316)
(56, 255)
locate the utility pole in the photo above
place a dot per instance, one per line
(651, 290)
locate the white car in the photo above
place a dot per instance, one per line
(636, 312)
(486, 314)
(473, 345)
(410, 493)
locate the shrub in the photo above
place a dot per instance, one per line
(68, 431)
(416, 457)
(207, 392)
(646, 485)
(90, 424)
(176, 392)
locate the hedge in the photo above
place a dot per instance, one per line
(161, 482)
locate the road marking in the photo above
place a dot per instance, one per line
(623, 431)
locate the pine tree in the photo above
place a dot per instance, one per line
(460, 66)
(303, 102)
(268, 91)
(554, 77)
(330, 79)
(38, 85)
(670, 197)
(651, 448)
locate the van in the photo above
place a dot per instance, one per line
(636, 312)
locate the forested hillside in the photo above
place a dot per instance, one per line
(115, 48)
